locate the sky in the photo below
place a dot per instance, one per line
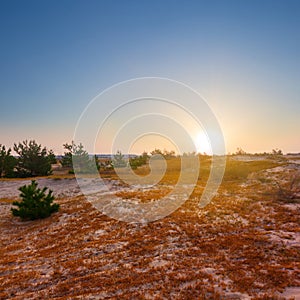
(242, 57)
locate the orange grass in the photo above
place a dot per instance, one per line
(212, 253)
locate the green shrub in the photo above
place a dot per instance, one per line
(35, 203)
(138, 161)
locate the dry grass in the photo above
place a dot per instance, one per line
(243, 244)
(145, 196)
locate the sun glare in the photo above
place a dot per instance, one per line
(202, 143)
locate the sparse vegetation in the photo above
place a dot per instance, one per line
(35, 204)
(138, 161)
(277, 152)
(166, 154)
(193, 253)
(240, 151)
(289, 192)
(239, 170)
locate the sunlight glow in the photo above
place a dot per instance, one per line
(202, 143)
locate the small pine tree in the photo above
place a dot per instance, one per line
(7, 162)
(77, 158)
(52, 157)
(97, 162)
(119, 161)
(67, 158)
(35, 203)
(33, 159)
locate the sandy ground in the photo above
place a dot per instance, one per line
(243, 245)
(65, 187)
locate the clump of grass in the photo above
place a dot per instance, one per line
(144, 196)
(239, 170)
(289, 192)
(264, 180)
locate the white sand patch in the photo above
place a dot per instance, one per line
(292, 206)
(247, 158)
(278, 169)
(158, 263)
(4, 208)
(294, 161)
(288, 238)
(291, 292)
(66, 187)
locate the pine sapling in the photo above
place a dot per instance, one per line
(35, 203)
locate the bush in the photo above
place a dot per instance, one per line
(35, 203)
(289, 192)
(138, 161)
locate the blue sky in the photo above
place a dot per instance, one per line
(241, 56)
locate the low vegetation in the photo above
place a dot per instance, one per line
(289, 192)
(243, 245)
(35, 204)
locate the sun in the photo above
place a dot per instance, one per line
(202, 143)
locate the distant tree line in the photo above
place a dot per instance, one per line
(165, 153)
(32, 159)
(274, 152)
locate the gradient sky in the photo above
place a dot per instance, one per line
(243, 57)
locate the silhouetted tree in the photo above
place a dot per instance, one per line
(276, 152)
